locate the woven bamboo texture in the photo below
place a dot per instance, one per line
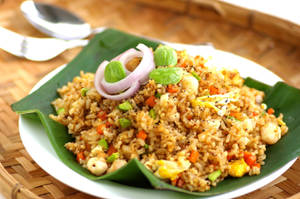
(276, 46)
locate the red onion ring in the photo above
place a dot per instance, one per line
(140, 74)
(123, 56)
(99, 76)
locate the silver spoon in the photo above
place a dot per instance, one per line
(55, 21)
(60, 23)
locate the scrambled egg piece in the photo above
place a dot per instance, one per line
(238, 168)
(170, 169)
(211, 101)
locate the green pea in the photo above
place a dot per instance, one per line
(167, 75)
(113, 157)
(60, 111)
(124, 123)
(125, 106)
(84, 91)
(146, 146)
(196, 75)
(114, 72)
(152, 113)
(103, 144)
(214, 175)
(165, 56)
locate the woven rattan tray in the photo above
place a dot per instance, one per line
(270, 41)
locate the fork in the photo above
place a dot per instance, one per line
(35, 49)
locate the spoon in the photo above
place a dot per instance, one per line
(62, 24)
(55, 21)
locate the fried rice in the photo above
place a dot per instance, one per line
(205, 123)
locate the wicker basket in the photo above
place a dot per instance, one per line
(267, 40)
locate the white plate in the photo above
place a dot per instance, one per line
(38, 145)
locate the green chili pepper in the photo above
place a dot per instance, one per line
(124, 123)
(114, 72)
(167, 75)
(103, 144)
(196, 75)
(125, 106)
(214, 175)
(113, 157)
(165, 56)
(152, 113)
(60, 111)
(84, 91)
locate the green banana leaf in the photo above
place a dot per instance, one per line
(106, 45)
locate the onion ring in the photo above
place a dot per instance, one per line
(141, 73)
(121, 57)
(99, 76)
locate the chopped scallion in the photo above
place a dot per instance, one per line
(146, 146)
(124, 123)
(84, 91)
(152, 113)
(125, 106)
(113, 157)
(60, 111)
(214, 175)
(157, 95)
(196, 75)
(103, 144)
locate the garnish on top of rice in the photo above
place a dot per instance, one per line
(190, 125)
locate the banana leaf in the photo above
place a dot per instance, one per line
(106, 45)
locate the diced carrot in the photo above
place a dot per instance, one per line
(254, 114)
(100, 129)
(102, 115)
(183, 65)
(189, 117)
(107, 124)
(249, 158)
(142, 135)
(247, 154)
(271, 111)
(256, 165)
(111, 150)
(174, 182)
(213, 90)
(236, 115)
(172, 88)
(193, 156)
(151, 101)
(80, 156)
